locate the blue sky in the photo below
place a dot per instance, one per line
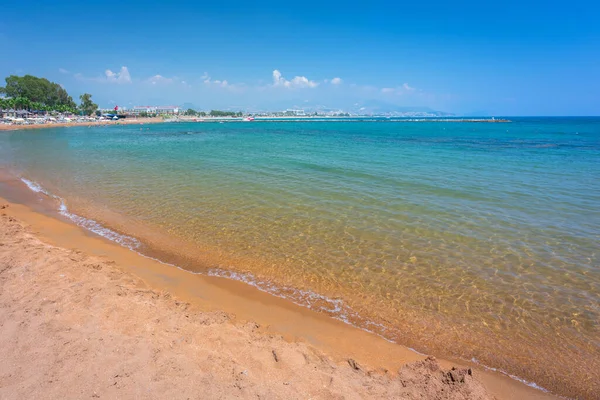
(508, 58)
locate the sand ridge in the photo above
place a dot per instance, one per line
(76, 326)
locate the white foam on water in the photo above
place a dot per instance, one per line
(35, 187)
(334, 307)
(524, 381)
(89, 224)
(308, 299)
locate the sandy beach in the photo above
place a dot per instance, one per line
(137, 121)
(81, 317)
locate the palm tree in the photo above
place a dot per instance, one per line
(23, 103)
(6, 103)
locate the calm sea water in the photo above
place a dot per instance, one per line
(472, 240)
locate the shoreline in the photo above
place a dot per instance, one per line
(564, 386)
(295, 323)
(186, 119)
(140, 121)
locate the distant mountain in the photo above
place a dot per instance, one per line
(369, 107)
(378, 107)
(186, 106)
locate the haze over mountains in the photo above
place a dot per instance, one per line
(370, 107)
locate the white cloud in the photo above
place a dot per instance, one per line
(296, 82)
(120, 77)
(404, 89)
(63, 71)
(217, 83)
(277, 77)
(206, 78)
(159, 79)
(336, 81)
(222, 83)
(302, 81)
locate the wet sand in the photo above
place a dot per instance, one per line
(138, 121)
(82, 316)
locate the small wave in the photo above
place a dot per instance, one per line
(335, 308)
(89, 224)
(516, 378)
(303, 298)
(36, 188)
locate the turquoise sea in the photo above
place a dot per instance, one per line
(477, 241)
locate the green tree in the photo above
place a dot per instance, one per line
(9, 103)
(87, 106)
(219, 113)
(66, 109)
(190, 112)
(36, 89)
(22, 103)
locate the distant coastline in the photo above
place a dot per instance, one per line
(365, 118)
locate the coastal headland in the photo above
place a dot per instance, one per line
(84, 317)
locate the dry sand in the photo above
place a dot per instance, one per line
(77, 325)
(139, 121)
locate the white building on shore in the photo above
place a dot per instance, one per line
(296, 113)
(173, 110)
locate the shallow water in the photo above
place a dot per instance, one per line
(472, 240)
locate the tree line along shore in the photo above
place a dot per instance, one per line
(39, 96)
(30, 99)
